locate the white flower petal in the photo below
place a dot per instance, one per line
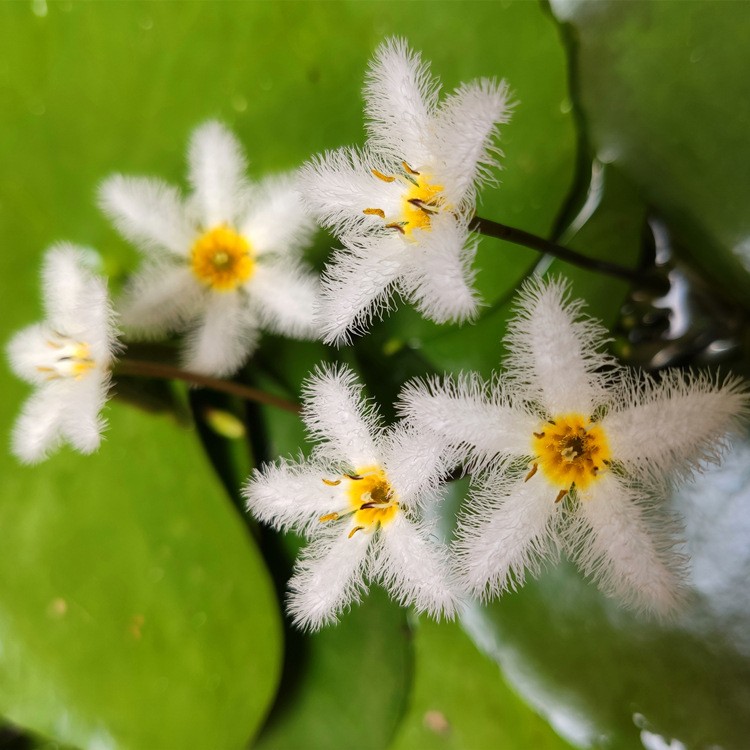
(36, 432)
(438, 278)
(413, 567)
(217, 169)
(224, 337)
(284, 294)
(337, 187)
(27, 349)
(400, 99)
(277, 221)
(555, 350)
(81, 423)
(627, 547)
(509, 532)
(148, 212)
(358, 285)
(162, 297)
(291, 495)
(415, 462)
(328, 577)
(463, 135)
(676, 423)
(477, 419)
(337, 414)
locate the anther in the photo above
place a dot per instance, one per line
(329, 517)
(375, 212)
(532, 472)
(551, 421)
(382, 176)
(332, 482)
(355, 530)
(420, 204)
(538, 435)
(409, 169)
(397, 226)
(560, 495)
(354, 477)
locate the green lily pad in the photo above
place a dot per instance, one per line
(460, 700)
(128, 584)
(665, 94)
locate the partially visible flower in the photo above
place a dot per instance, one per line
(221, 264)
(68, 357)
(402, 206)
(579, 455)
(360, 497)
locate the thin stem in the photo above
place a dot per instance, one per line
(145, 369)
(520, 237)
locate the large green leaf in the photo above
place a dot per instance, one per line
(346, 685)
(460, 701)
(666, 96)
(134, 609)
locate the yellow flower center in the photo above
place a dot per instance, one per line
(570, 450)
(371, 499)
(421, 200)
(222, 259)
(66, 358)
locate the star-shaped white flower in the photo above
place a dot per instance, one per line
(359, 497)
(579, 455)
(221, 264)
(402, 206)
(68, 357)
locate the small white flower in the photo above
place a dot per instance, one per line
(222, 263)
(402, 207)
(359, 496)
(68, 357)
(580, 455)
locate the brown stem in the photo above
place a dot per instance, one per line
(145, 369)
(520, 237)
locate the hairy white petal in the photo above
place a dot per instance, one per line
(328, 577)
(337, 187)
(81, 423)
(27, 349)
(508, 532)
(217, 168)
(413, 566)
(400, 99)
(674, 424)
(478, 419)
(284, 294)
(276, 221)
(293, 495)
(438, 278)
(162, 297)
(224, 337)
(337, 414)
(555, 350)
(36, 432)
(415, 462)
(627, 546)
(465, 128)
(357, 285)
(148, 212)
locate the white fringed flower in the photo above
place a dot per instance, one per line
(402, 206)
(580, 454)
(68, 357)
(221, 264)
(359, 497)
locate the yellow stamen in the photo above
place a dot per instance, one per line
(382, 176)
(355, 530)
(532, 472)
(570, 450)
(222, 259)
(329, 517)
(371, 497)
(375, 212)
(332, 482)
(408, 169)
